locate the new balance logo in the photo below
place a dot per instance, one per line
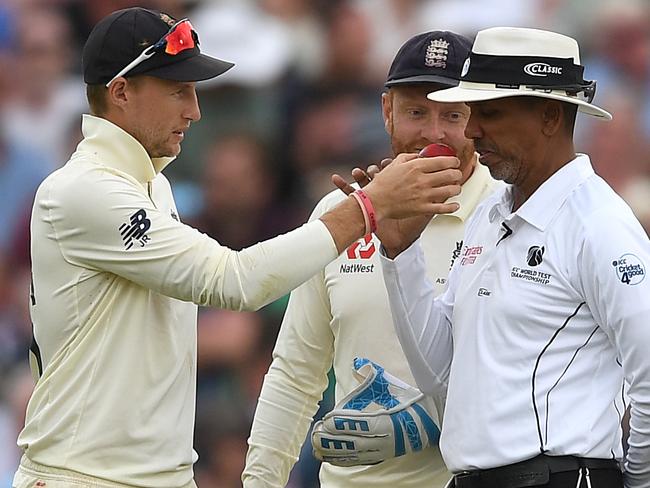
(136, 229)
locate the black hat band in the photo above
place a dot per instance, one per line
(522, 70)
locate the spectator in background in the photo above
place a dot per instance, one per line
(234, 349)
(620, 58)
(21, 171)
(301, 20)
(334, 119)
(239, 188)
(623, 148)
(46, 99)
(22, 167)
(637, 195)
(16, 386)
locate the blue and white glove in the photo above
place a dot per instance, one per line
(382, 418)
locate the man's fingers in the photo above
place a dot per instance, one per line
(404, 157)
(442, 208)
(372, 171)
(429, 165)
(342, 185)
(443, 178)
(385, 162)
(361, 177)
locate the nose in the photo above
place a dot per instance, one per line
(192, 111)
(433, 130)
(472, 129)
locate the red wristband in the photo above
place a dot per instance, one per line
(368, 210)
(363, 211)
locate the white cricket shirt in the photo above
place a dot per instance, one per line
(116, 277)
(339, 314)
(545, 318)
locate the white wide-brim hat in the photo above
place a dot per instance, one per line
(513, 61)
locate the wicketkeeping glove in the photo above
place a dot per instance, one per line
(382, 418)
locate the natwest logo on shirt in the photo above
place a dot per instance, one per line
(362, 249)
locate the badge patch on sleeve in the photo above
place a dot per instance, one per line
(629, 269)
(135, 230)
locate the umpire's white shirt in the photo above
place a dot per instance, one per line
(545, 318)
(114, 275)
(339, 314)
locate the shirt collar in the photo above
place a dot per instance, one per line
(116, 148)
(470, 192)
(544, 203)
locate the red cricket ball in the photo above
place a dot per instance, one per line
(433, 150)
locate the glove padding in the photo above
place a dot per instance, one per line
(382, 418)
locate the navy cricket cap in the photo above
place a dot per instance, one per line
(121, 36)
(432, 57)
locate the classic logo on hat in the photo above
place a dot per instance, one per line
(515, 61)
(436, 55)
(542, 69)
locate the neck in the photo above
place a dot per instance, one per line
(555, 158)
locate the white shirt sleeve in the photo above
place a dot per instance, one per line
(87, 218)
(422, 323)
(622, 309)
(292, 387)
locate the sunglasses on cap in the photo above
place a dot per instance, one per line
(179, 38)
(584, 91)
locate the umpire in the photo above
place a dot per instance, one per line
(551, 286)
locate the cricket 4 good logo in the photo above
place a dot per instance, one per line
(135, 229)
(542, 69)
(362, 249)
(629, 269)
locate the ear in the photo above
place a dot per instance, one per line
(118, 93)
(387, 111)
(552, 117)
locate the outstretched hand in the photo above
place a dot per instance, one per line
(361, 177)
(399, 229)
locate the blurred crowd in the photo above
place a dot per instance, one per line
(302, 102)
